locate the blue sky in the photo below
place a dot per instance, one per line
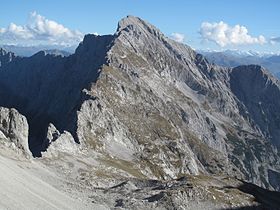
(215, 24)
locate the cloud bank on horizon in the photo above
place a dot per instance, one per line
(39, 30)
(223, 35)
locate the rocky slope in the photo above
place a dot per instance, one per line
(139, 105)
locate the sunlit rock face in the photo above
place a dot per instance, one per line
(14, 131)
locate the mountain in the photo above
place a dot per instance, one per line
(234, 58)
(26, 51)
(57, 52)
(135, 120)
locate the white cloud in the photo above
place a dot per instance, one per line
(39, 30)
(223, 34)
(178, 37)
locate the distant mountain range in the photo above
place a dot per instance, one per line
(233, 58)
(26, 51)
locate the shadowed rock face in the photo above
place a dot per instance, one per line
(260, 94)
(48, 88)
(149, 106)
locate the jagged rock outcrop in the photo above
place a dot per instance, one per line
(148, 106)
(6, 57)
(56, 143)
(14, 131)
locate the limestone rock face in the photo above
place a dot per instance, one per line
(149, 107)
(64, 144)
(14, 130)
(52, 134)
(57, 142)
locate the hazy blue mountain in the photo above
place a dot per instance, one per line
(232, 58)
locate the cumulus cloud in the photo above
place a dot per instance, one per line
(39, 30)
(223, 34)
(178, 37)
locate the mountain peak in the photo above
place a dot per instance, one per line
(132, 23)
(127, 21)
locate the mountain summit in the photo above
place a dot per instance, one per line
(139, 105)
